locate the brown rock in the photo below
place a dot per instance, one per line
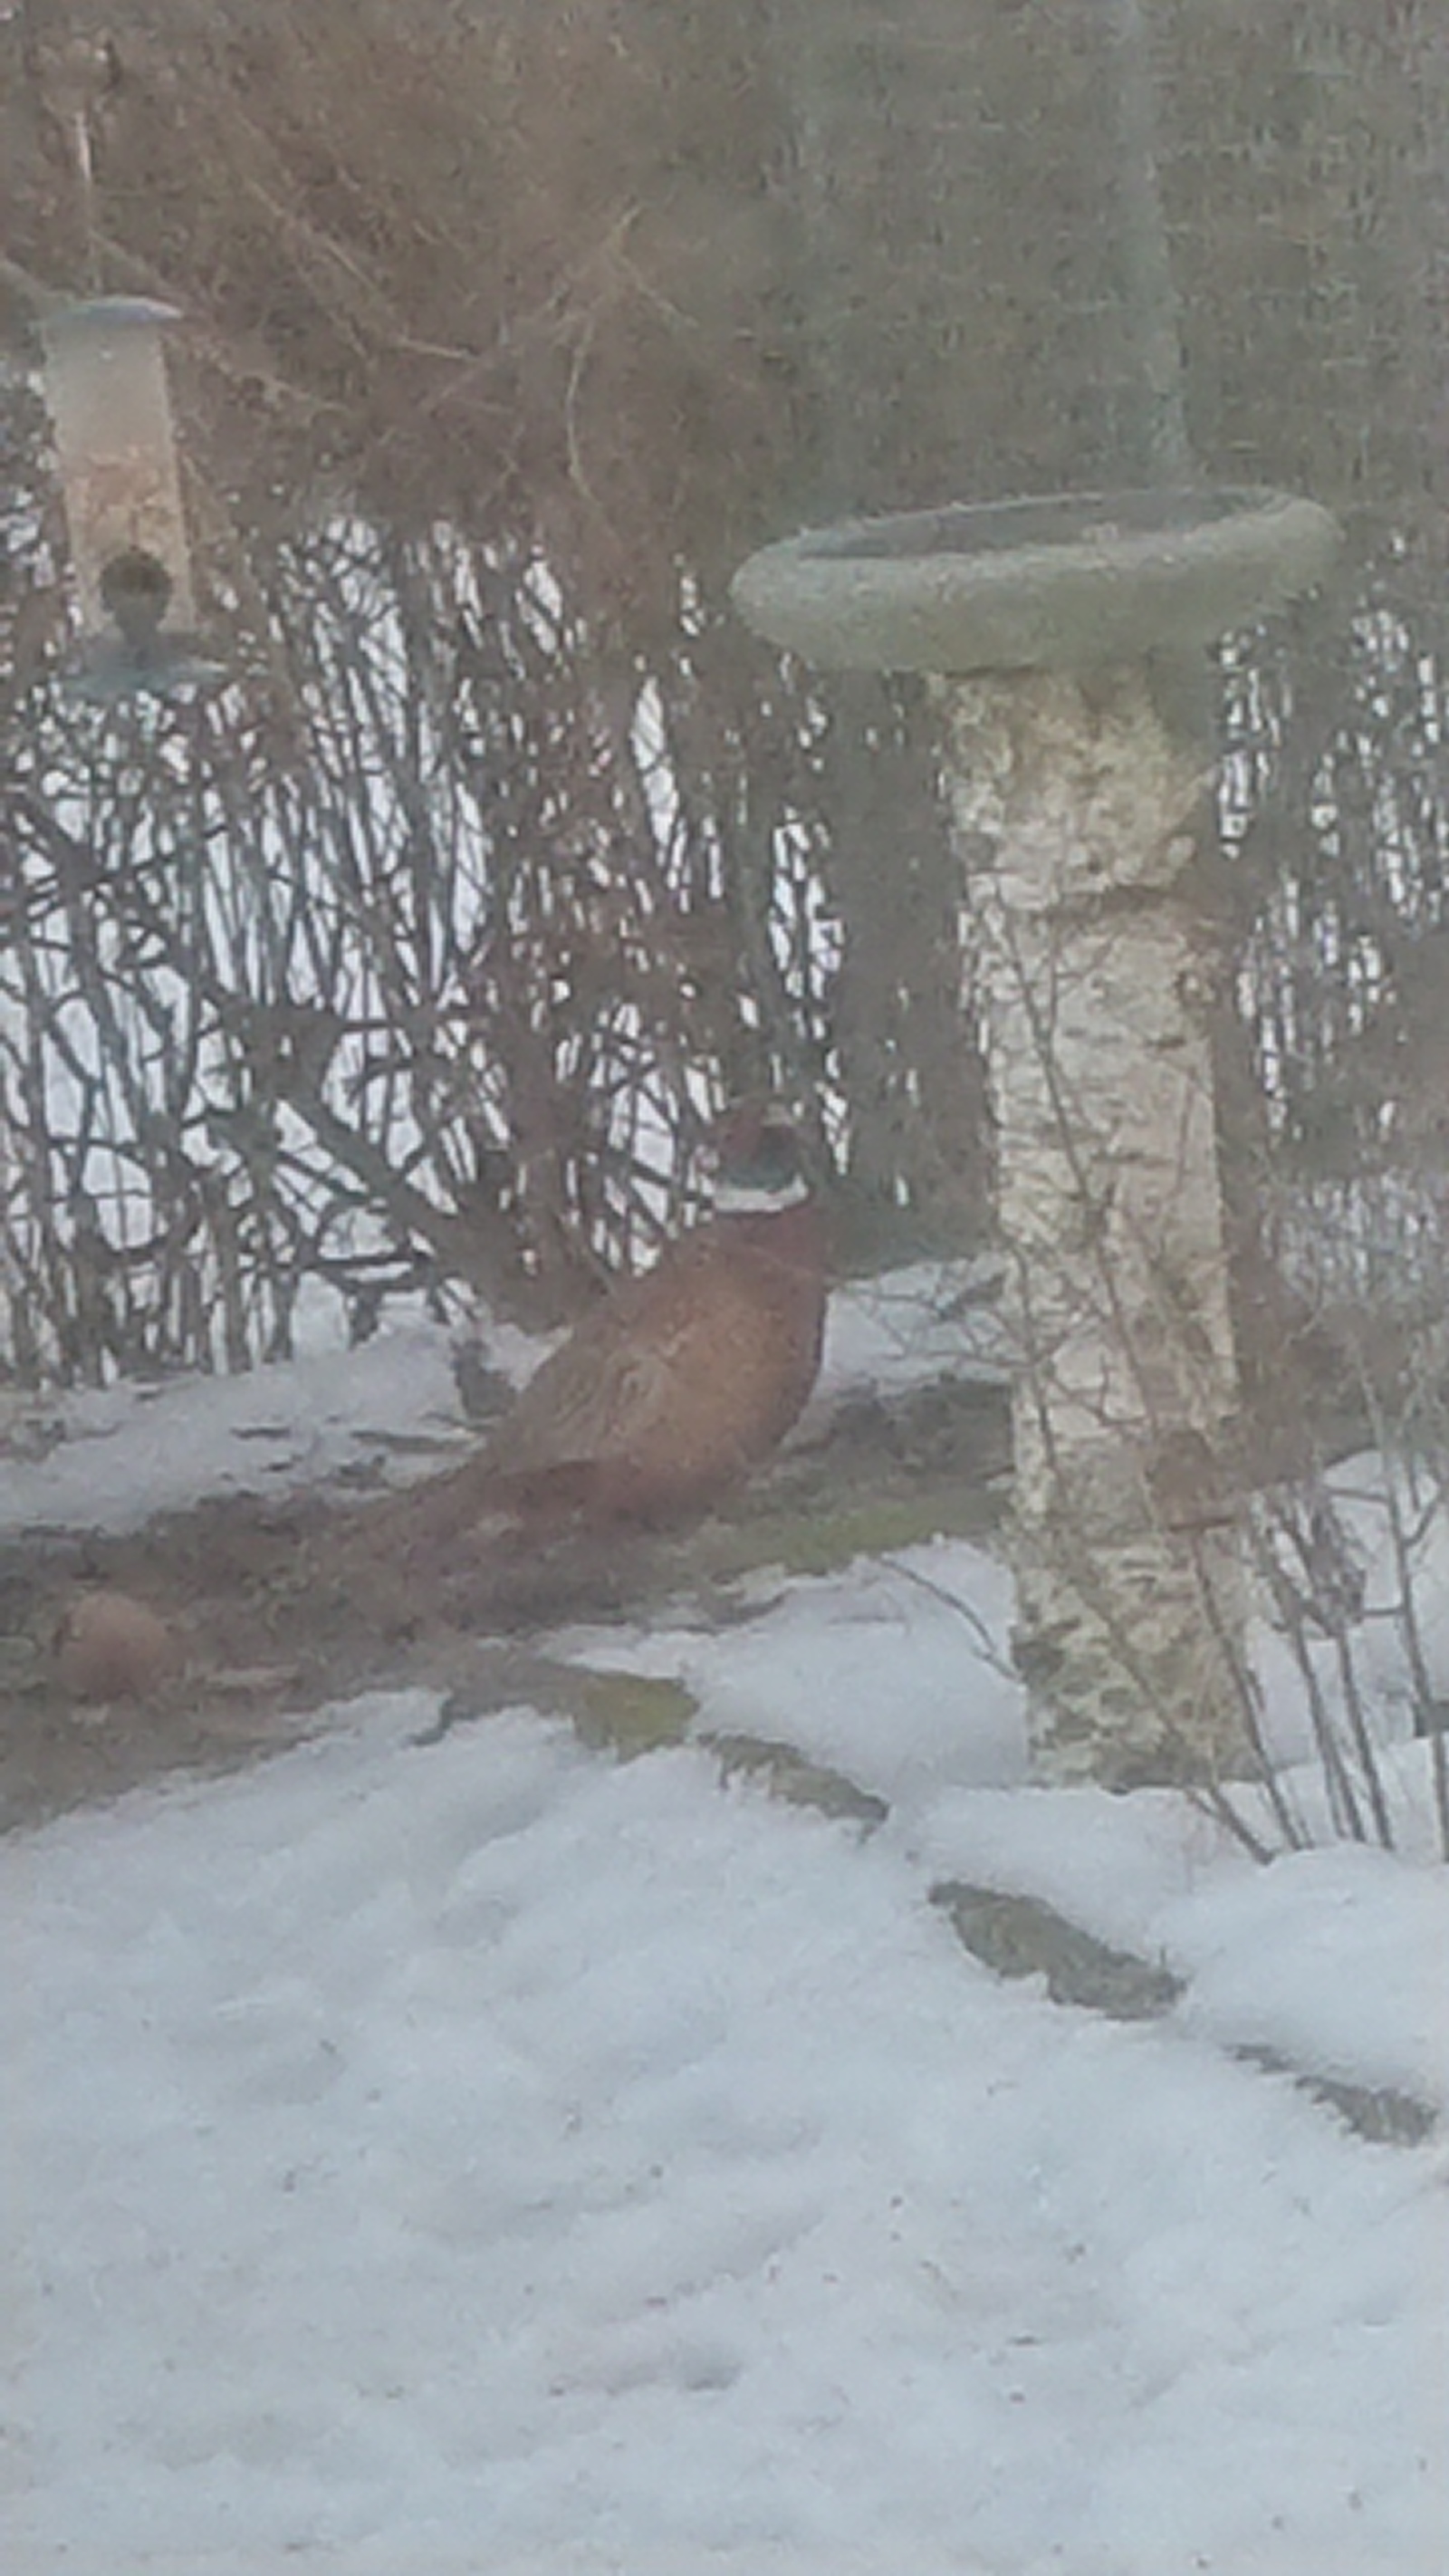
(111, 1647)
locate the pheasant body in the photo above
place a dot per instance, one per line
(683, 1379)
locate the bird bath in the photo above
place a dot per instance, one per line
(1060, 634)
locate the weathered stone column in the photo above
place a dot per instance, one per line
(1077, 804)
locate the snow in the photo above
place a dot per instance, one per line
(892, 1672)
(124, 1453)
(488, 2138)
(481, 2152)
(937, 1316)
(1334, 1958)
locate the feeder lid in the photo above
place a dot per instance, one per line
(1074, 581)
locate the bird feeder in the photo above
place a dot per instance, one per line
(105, 377)
(1067, 641)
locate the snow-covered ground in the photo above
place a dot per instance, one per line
(478, 2153)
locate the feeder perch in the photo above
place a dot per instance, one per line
(105, 378)
(1068, 641)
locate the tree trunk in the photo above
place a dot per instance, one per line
(1075, 812)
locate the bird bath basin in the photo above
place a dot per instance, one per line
(1071, 582)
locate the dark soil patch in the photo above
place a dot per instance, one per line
(282, 1608)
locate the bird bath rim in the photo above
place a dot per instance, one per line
(1072, 581)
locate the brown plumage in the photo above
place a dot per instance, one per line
(668, 1393)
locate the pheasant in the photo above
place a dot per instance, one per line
(667, 1394)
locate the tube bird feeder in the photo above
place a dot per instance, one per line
(1067, 641)
(105, 378)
